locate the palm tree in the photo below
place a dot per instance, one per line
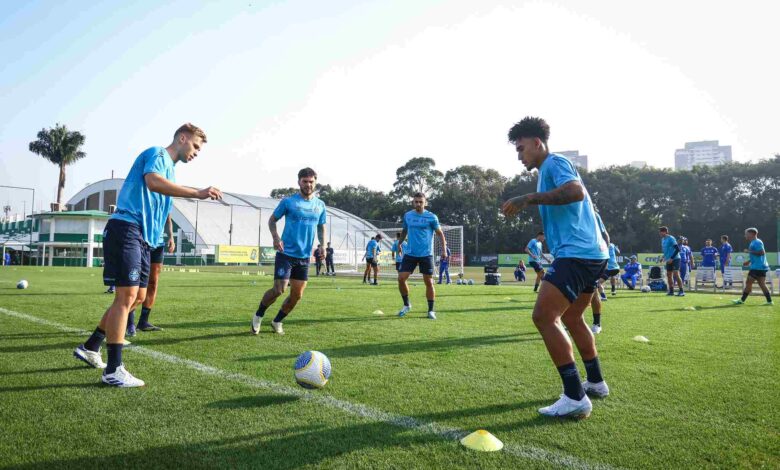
(61, 147)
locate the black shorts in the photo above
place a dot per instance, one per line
(537, 267)
(675, 266)
(287, 267)
(397, 265)
(609, 273)
(158, 254)
(574, 276)
(757, 274)
(126, 255)
(410, 262)
(371, 262)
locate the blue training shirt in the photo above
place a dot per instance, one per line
(668, 244)
(708, 256)
(612, 263)
(758, 262)
(372, 249)
(633, 268)
(571, 229)
(725, 251)
(420, 228)
(139, 205)
(535, 247)
(301, 218)
(398, 255)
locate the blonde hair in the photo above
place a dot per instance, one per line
(191, 129)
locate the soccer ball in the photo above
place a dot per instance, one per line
(645, 289)
(312, 369)
(459, 282)
(22, 284)
(471, 282)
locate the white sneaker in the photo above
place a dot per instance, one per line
(256, 321)
(121, 378)
(277, 327)
(90, 357)
(565, 407)
(406, 309)
(595, 329)
(600, 389)
(432, 315)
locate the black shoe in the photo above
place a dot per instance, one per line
(148, 327)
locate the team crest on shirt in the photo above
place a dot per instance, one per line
(134, 275)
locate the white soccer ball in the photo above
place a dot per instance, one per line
(471, 282)
(312, 370)
(459, 282)
(22, 284)
(645, 289)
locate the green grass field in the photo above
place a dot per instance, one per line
(703, 393)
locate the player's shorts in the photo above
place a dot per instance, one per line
(609, 273)
(675, 266)
(397, 265)
(126, 256)
(410, 262)
(757, 274)
(287, 267)
(575, 276)
(537, 267)
(158, 254)
(371, 262)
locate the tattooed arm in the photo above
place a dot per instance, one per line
(573, 191)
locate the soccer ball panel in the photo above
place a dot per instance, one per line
(312, 370)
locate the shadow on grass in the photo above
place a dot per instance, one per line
(481, 411)
(254, 401)
(42, 371)
(682, 309)
(31, 348)
(506, 308)
(141, 339)
(31, 388)
(411, 347)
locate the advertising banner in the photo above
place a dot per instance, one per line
(237, 254)
(511, 259)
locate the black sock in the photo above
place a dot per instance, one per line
(131, 318)
(406, 300)
(280, 316)
(261, 310)
(94, 341)
(744, 296)
(613, 289)
(593, 370)
(768, 296)
(145, 312)
(597, 319)
(430, 305)
(572, 387)
(536, 287)
(114, 357)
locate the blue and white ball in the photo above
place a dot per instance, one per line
(312, 370)
(22, 284)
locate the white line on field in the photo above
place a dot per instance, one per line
(447, 432)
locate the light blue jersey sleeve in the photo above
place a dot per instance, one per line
(281, 209)
(758, 262)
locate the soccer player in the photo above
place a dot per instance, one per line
(671, 258)
(520, 271)
(444, 265)
(686, 259)
(613, 268)
(372, 255)
(708, 255)
(632, 271)
(725, 255)
(534, 250)
(142, 208)
(398, 249)
(329, 261)
(156, 262)
(304, 214)
(318, 257)
(758, 267)
(419, 225)
(580, 257)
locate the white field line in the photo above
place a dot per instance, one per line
(443, 431)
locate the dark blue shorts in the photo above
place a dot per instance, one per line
(126, 256)
(158, 254)
(287, 267)
(757, 274)
(410, 262)
(371, 262)
(608, 273)
(397, 265)
(675, 266)
(574, 276)
(536, 266)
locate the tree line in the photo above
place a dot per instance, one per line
(705, 202)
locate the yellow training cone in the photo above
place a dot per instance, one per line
(126, 342)
(378, 312)
(482, 440)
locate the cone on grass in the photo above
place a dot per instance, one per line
(482, 441)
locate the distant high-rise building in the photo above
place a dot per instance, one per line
(638, 164)
(574, 156)
(707, 152)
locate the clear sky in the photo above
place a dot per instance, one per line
(356, 88)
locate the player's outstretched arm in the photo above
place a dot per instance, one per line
(567, 193)
(404, 232)
(278, 245)
(158, 184)
(321, 238)
(443, 240)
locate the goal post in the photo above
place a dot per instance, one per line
(453, 234)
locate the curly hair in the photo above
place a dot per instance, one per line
(530, 127)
